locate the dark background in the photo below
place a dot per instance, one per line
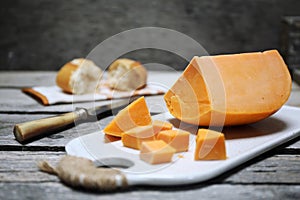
(45, 34)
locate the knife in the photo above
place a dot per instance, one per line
(29, 130)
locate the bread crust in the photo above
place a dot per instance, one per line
(86, 72)
(64, 75)
(135, 78)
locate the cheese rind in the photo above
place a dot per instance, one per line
(178, 139)
(156, 152)
(135, 114)
(210, 145)
(230, 89)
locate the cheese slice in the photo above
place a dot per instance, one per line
(178, 139)
(134, 137)
(210, 145)
(230, 89)
(156, 152)
(135, 114)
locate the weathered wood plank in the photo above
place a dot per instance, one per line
(296, 145)
(25, 161)
(273, 178)
(276, 169)
(60, 139)
(54, 190)
(7, 122)
(20, 166)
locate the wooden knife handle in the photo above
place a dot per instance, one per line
(28, 130)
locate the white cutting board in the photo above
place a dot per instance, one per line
(242, 144)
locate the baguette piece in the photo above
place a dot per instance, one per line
(125, 74)
(79, 76)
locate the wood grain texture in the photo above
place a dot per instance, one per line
(53, 190)
(21, 166)
(60, 139)
(271, 178)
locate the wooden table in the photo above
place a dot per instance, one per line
(273, 175)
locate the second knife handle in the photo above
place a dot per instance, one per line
(28, 130)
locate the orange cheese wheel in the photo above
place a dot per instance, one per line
(135, 114)
(230, 89)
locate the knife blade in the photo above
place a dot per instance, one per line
(28, 130)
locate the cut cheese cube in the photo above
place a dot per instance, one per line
(134, 137)
(210, 145)
(161, 126)
(110, 138)
(135, 114)
(230, 89)
(178, 139)
(156, 152)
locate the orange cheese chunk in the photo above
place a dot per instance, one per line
(210, 145)
(230, 89)
(161, 126)
(110, 138)
(156, 152)
(135, 114)
(134, 137)
(178, 139)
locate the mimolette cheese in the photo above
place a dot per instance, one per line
(135, 114)
(230, 89)
(210, 145)
(178, 139)
(156, 152)
(134, 137)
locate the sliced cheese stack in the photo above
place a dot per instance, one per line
(156, 152)
(210, 145)
(230, 89)
(135, 114)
